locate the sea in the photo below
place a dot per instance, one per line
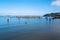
(13, 28)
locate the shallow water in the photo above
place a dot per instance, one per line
(29, 29)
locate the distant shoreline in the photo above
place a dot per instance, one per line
(23, 16)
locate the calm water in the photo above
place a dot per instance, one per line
(29, 29)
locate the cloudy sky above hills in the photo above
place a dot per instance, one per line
(28, 7)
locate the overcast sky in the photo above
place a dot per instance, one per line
(28, 7)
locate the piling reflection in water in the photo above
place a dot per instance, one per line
(49, 19)
(28, 19)
(18, 20)
(8, 20)
(25, 22)
(52, 19)
(46, 18)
